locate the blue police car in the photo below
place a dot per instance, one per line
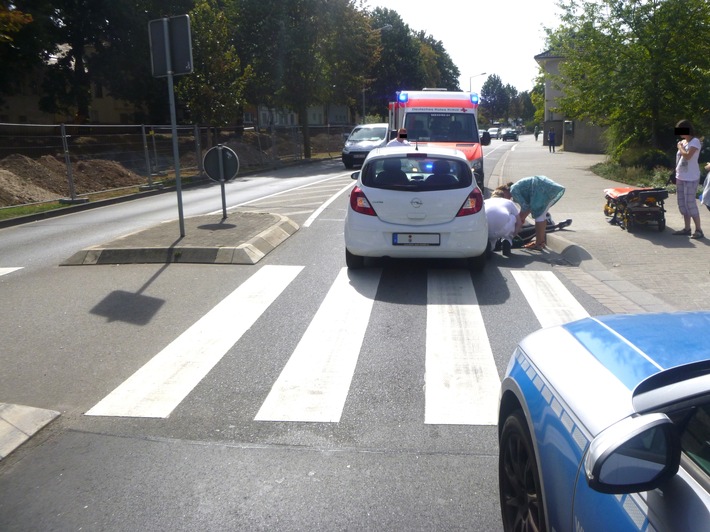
(604, 424)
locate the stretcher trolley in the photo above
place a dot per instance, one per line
(631, 207)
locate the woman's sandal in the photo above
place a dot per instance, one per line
(682, 232)
(534, 246)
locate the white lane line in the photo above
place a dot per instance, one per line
(5, 271)
(339, 176)
(164, 381)
(462, 382)
(320, 209)
(314, 383)
(551, 302)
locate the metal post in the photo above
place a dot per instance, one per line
(173, 121)
(198, 151)
(67, 161)
(363, 106)
(220, 150)
(147, 156)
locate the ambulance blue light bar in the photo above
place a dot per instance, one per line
(402, 97)
(474, 98)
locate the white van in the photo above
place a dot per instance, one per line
(361, 140)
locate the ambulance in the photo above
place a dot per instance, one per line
(438, 117)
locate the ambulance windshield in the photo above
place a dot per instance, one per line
(441, 127)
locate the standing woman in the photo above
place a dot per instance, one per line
(687, 175)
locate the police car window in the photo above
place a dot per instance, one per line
(695, 438)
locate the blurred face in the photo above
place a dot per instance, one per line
(683, 132)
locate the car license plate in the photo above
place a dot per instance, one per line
(359, 155)
(416, 239)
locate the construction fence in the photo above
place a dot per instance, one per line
(144, 153)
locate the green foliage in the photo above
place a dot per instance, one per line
(213, 92)
(495, 99)
(292, 54)
(644, 157)
(634, 175)
(635, 66)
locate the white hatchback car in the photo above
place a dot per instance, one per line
(416, 204)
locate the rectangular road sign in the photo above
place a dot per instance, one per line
(179, 44)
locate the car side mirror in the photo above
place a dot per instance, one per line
(636, 454)
(485, 138)
(354, 175)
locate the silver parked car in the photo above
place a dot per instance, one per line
(361, 140)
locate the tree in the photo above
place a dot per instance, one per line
(495, 99)
(436, 65)
(122, 63)
(635, 66)
(537, 98)
(352, 47)
(213, 92)
(11, 21)
(15, 58)
(399, 67)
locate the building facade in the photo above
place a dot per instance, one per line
(572, 135)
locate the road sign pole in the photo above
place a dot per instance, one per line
(173, 122)
(220, 149)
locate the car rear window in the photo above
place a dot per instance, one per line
(417, 173)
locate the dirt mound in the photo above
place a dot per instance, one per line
(17, 191)
(26, 180)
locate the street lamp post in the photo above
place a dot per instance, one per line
(475, 76)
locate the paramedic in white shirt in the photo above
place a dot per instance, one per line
(400, 139)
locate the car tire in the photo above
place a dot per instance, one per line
(478, 264)
(354, 262)
(521, 501)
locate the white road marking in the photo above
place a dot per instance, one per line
(314, 383)
(5, 271)
(551, 302)
(320, 209)
(462, 382)
(164, 381)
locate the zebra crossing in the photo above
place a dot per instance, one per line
(461, 379)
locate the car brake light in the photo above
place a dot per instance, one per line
(473, 204)
(359, 203)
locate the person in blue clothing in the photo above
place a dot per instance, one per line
(551, 140)
(535, 195)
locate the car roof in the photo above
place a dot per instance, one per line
(367, 126)
(620, 364)
(431, 151)
(638, 346)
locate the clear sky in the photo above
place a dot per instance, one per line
(493, 36)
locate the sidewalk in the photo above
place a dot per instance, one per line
(643, 271)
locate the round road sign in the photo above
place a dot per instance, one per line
(221, 163)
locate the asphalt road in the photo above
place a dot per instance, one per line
(376, 457)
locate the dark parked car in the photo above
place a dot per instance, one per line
(509, 134)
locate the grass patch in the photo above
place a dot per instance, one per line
(7, 213)
(634, 176)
